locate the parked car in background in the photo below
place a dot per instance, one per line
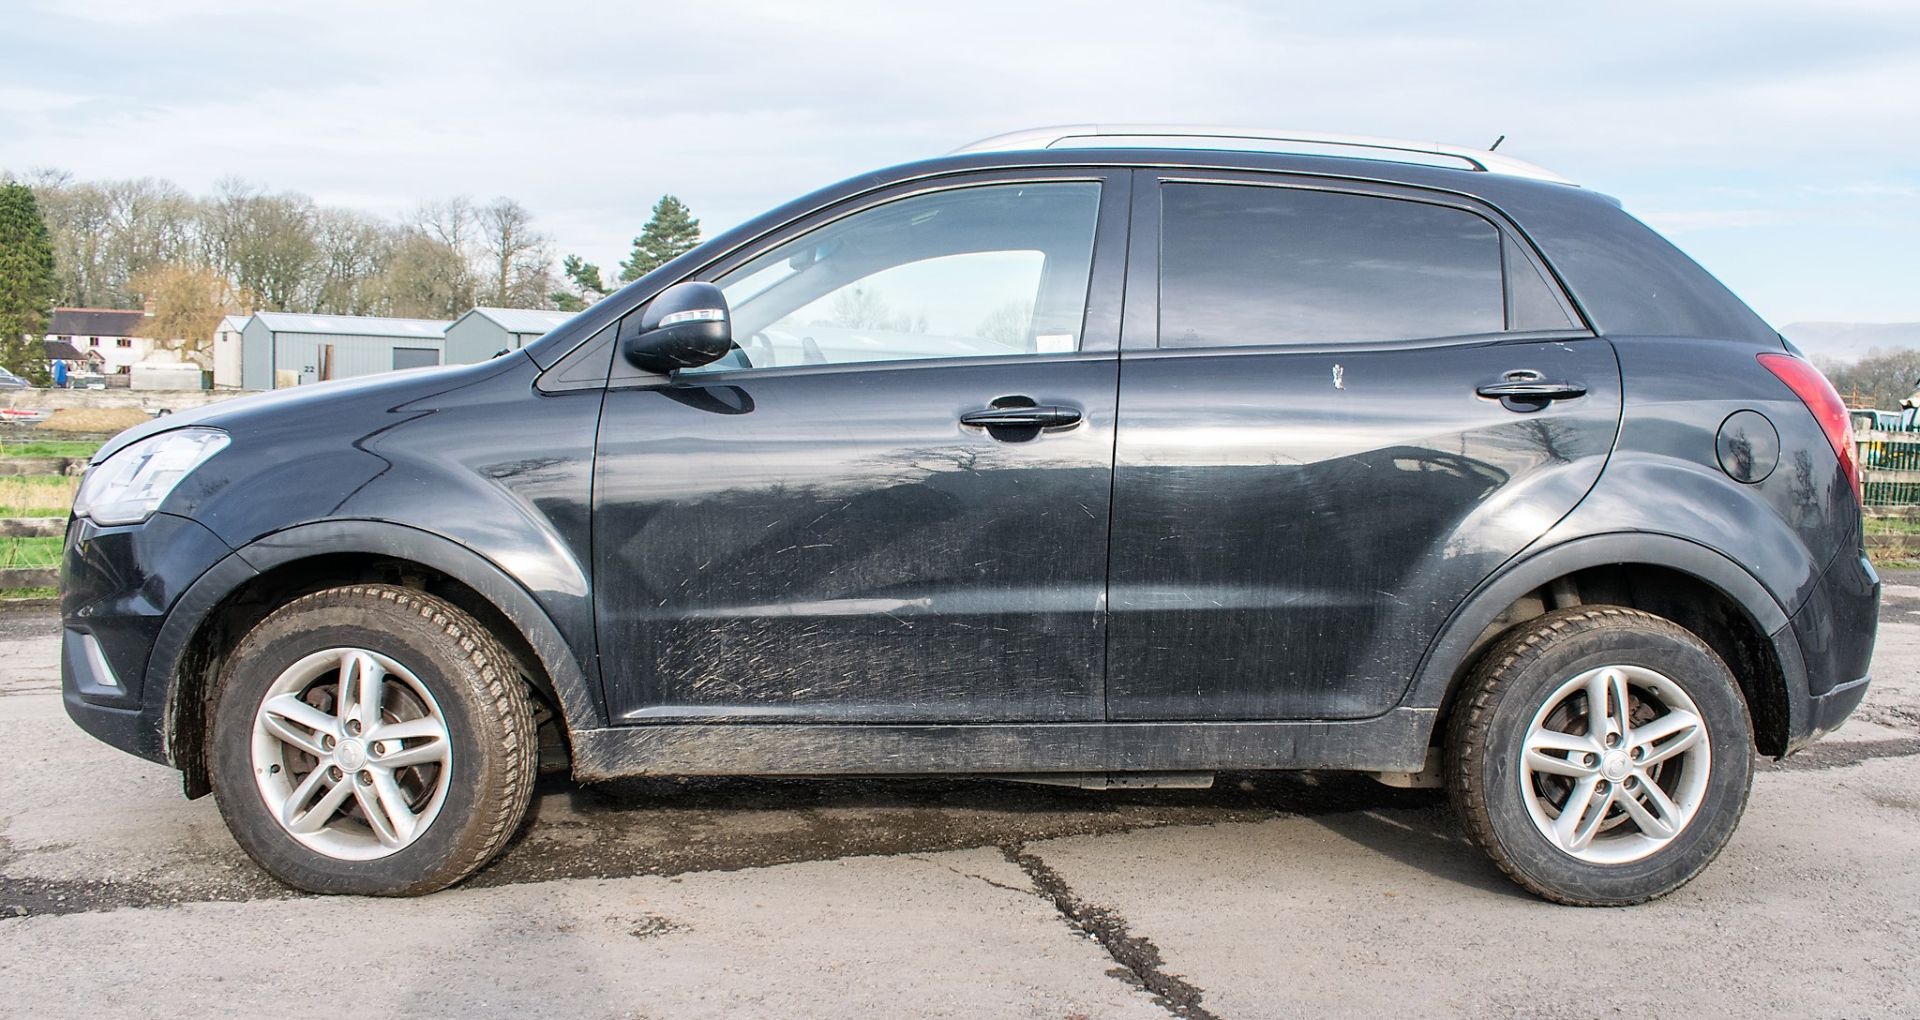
(9, 381)
(1111, 457)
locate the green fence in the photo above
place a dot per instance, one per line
(1889, 468)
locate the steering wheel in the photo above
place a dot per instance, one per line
(756, 344)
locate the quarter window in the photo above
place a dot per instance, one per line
(1249, 265)
(984, 271)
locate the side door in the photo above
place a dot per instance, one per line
(1314, 466)
(891, 502)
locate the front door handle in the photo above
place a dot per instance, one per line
(1528, 392)
(1045, 416)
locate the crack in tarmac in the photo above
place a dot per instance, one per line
(673, 827)
(1139, 959)
(668, 827)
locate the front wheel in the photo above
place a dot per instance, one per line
(372, 739)
(1601, 756)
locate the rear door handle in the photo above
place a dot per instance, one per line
(1529, 394)
(1045, 416)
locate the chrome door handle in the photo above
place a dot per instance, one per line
(1529, 394)
(1045, 416)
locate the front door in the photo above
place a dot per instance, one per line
(1308, 477)
(891, 503)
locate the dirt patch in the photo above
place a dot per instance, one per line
(94, 419)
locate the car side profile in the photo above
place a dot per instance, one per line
(1105, 456)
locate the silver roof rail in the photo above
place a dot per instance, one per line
(1309, 143)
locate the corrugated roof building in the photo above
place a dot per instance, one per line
(484, 332)
(227, 343)
(284, 349)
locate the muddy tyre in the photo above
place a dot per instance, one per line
(1600, 755)
(373, 740)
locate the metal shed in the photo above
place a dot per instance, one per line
(227, 342)
(284, 349)
(484, 332)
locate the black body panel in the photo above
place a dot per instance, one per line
(1278, 540)
(837, 546)
(818, 569)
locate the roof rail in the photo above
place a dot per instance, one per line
(1312, 143)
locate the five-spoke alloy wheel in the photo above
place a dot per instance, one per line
(372, 739)
(351, 754)
(1600, 755)
(1615, 764)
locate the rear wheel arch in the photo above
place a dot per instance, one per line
(194, 644)
(1689, 584)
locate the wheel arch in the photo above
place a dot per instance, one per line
(217, 610)
(1697, 587)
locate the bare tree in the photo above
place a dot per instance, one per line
(78, 217)
(188, 303)
(351, 252)
(264, 243)
(289, 254)
(519, 271)
(425, 278)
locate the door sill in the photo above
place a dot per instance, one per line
(1393, 742)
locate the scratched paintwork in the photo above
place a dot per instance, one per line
(1282, 548)
(846, 550)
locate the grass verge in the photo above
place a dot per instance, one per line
(30, 552)
(49, 448)
(36, 495)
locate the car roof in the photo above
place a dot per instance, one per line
(1607, 260)
(1243, 139)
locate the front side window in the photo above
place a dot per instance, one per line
(1251, 265)
(983, 271)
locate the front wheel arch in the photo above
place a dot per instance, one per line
(211, 615)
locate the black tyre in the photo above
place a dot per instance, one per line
(1601, 755)
(372, 740)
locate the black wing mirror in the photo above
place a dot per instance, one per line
(687, 326)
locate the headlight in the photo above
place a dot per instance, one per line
(129, 486)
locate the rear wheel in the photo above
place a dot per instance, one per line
(1601, 756)
(372, 739)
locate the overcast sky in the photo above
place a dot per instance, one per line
(1779, 143)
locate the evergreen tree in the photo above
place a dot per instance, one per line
(588, 285)
(670, 233)
(27, 285)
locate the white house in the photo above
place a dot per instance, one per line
(110, 335)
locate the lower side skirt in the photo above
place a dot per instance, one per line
(1393, 742)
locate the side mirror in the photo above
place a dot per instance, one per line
(686, 326)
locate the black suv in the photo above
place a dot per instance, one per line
(1095, 456)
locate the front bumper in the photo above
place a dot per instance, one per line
(118, 586)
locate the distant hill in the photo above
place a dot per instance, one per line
(1849, 341)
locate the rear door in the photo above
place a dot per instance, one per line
(1308, 478)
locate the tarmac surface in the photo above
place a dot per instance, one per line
(1269, 895)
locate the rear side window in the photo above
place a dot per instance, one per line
(1248, 265)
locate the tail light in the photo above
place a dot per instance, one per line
(1818, 394)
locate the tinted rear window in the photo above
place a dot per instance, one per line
(1243, 265)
